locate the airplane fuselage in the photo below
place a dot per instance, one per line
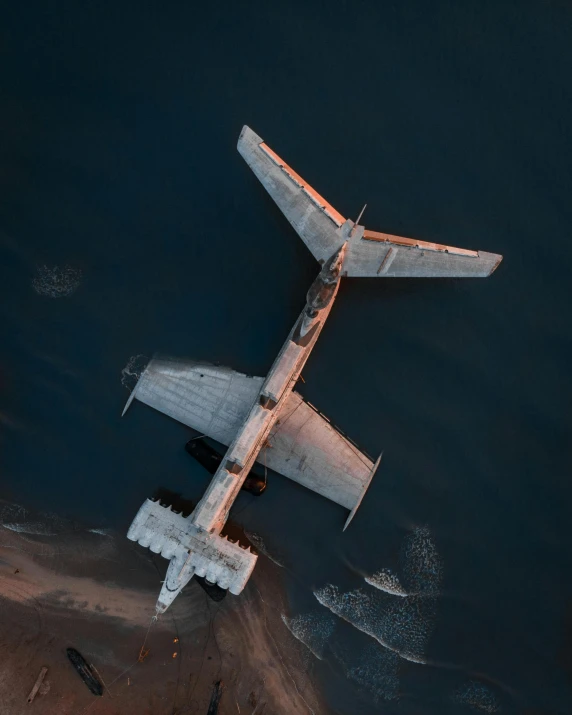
(212, 511)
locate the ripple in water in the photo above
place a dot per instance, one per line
(477, 696)
(403, 626)
(312, 629)
(258, 543)
(56, 281)
(37, 529)
(133, 370)
(101, 532)
(16, 518)
(376, 669)
(401, 622)
(421, 564)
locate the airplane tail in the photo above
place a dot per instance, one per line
(191, 552)
(370, 254)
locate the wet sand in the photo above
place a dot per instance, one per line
(96, 592)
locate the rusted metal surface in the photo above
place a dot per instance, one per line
(415, 243)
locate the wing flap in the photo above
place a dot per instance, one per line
(211, 399)
(305, 447)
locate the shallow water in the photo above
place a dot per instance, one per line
(118, 163)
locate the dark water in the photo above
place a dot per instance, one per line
(118, 125)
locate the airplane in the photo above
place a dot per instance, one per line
(263, 419)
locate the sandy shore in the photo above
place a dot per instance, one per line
(62, 585)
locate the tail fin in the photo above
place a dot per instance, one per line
(370, 254)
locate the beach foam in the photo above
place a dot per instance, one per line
(421, 565)
(37, 529)
(312, 629)
(400, 618)
(386, 580)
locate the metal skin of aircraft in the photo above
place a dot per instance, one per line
(265, 419)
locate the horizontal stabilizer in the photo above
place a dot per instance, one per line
(370, 254)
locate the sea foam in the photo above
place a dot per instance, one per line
(478, 696)
(56, 281)
(386, 580)
(131, 373)
(400, 611)
(35, 528)
(313, 629)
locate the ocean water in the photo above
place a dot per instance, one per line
(130, 225)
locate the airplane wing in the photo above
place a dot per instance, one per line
(211, 399)
(303, 445)
(370, 254)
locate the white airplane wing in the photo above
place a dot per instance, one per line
(303, 445)
(370, 254)
(211, 399)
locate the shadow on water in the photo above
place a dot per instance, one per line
(175, 500)
(185, 507)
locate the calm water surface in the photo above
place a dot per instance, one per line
(117, 158)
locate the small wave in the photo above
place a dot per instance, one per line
(56, 281)
(11, 511)
(400, 626)
(403, 624)
(133, 370)
(478, 696)
(386, 580)
(37, 529)
(421, 563)
(260, 546)
(101, 532)
(312, 629)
